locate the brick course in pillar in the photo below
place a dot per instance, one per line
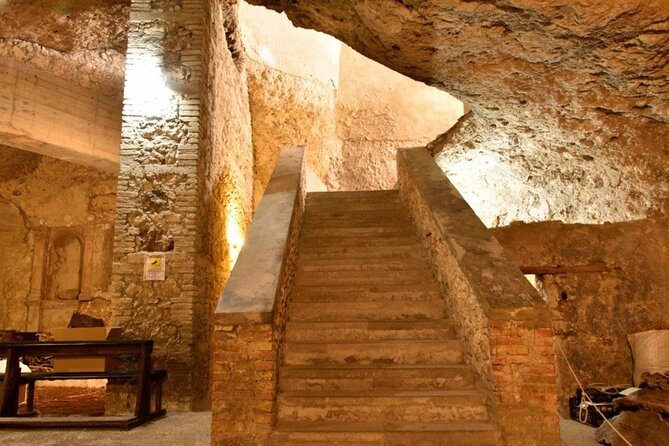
(244, 384)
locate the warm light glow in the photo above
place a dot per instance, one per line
(267, 56)
(234, 233)
(147, 86)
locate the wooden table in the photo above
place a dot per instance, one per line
(143, 375)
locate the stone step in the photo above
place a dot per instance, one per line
(349, 217)
(351, 208)
(392, 264)
(343, 213)
(426, 407)
(315, 243)
(313, 231)
(388, 219)
(378, 277)
(386, 353)
(385, 434)
(322, 381)
(396, 293)
(366, 311)
(354, 203)
(372, 195)
(378, 253)
(430, 330)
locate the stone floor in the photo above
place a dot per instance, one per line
(193, 429)
(577, 434)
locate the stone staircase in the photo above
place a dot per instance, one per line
(370, 356)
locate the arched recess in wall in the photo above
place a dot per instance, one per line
(64, 267)
(15, 267)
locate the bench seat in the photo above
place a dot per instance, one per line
(156, 375)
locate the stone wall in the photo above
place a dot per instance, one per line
(351, 113)
(56, 233)
(157, 209)
(225, 174)
(610, 280)
(379, 110)
(503, 322)
(185, 186)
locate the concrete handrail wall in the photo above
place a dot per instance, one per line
(250, 317)
(504, 323)
(251, 291)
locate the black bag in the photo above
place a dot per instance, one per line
(583, 410)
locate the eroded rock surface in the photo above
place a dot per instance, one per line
(612, 282)
(79, 40)
(352, 113)
(570, 98)
(52, 206)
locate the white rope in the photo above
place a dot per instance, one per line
(584, 394)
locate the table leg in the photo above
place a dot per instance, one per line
(10, 397)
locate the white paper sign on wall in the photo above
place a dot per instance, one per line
(154, 267)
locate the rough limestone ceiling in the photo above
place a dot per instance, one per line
(570, 115)
(78, 40)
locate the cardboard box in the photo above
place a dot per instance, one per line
(86, 364)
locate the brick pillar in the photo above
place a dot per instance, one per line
(523, 371)
(157, 208)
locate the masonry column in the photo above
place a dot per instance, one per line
(157, 208)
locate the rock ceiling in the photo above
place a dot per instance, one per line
(569, 118)
(571, 97)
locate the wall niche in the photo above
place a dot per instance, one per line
(71, 273)
(65, 257)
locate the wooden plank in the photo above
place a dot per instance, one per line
(75, 348)
(123, 422)
(156, 375)
(104, 422)
(544, 270)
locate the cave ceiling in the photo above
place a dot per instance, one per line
(575, 92)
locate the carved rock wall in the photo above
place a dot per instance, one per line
(351, 113)
(82, 41)
(593, 312)
(379, 111)
(292, 110)
(570, 99)
(56, 240)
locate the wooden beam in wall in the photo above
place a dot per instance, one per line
(42, 113)
(543, 270)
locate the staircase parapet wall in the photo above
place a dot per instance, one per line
(250, 317)
(504, 323)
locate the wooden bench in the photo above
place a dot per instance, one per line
(148, 381)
